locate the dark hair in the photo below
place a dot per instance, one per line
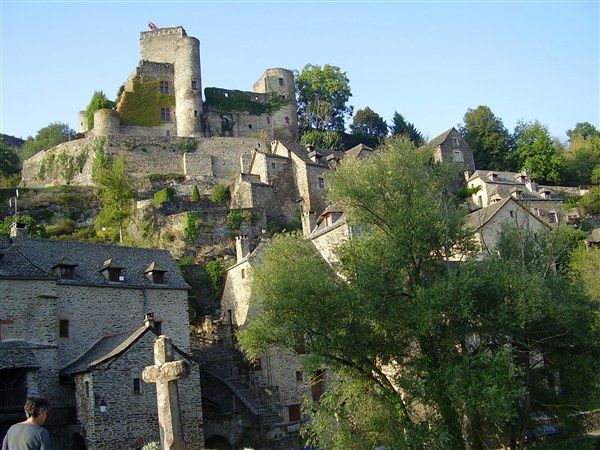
(35, 405)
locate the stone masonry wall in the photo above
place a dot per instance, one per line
(145, 155)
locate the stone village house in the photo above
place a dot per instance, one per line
(72, 329)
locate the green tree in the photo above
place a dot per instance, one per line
(439, 357)
(323, 94)
(47, 137)
(329, 139)
(115, 190)
(582, 158)
(401, 128)
(98, 101)
(10, 166)
(369, 125)
(489, 139)
(583, 130)
(34, 229)
(536, 152)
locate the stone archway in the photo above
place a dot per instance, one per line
(217, 442)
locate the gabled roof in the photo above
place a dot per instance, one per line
(105, 349)
(482, 216)
(32, 258)
(441, 138)
(357, 150)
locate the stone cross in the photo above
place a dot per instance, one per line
(164, 373)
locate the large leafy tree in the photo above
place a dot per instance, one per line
(401, 128)
(536, 152)
(425, 355)
(328, 139)
(323, 94)
(369, 126)
(583, 130)
(115, 190)
(489, 139)
(47, 137)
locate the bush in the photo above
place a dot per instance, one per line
(195, 194)
(67, 226)
(191, 225)
(219, 194)
(236, 217)
(216, 272)
(164, 195)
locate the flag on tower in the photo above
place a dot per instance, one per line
(152, 26)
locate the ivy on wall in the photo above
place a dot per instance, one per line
(64, 164)
(225, 100)
(142, 105)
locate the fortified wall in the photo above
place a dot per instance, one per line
(204, 162)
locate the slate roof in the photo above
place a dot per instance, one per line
(110, 347)
(441, 138)
(32, 258)
(357, 150)
(479, 218)
(105, 349)
(17, 354)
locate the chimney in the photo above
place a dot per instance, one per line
(242, 247)
(18, 230)
(149, 319)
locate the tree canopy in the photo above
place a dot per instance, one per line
(536, 152)
(98, 101)
(10, 166)
(426, 354)
(369, 126)
(401, 128)
(323, 94)
(488, 138)
(47, 137)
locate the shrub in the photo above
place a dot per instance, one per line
(191, 225)
(216, 272)
(219, 194)
(164, 195)
(195, 194)
(236, 217)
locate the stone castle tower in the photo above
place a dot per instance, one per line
(163, 97)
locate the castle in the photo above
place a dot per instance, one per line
(163, 97)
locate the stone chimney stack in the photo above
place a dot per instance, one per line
(17, 230)
(242, 247)
(149, 319)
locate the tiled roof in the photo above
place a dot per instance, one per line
(36, 258)
(17, 354)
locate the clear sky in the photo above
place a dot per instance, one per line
(429, 60)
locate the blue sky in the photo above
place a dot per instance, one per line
(428, 60)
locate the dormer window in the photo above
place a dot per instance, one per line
(494, 176)
(65, 269)
(154, 274)
(518, 194)
(546, 195)
(112, 272)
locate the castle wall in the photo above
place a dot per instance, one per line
(284, 123)
(160, 45)
(242, 123)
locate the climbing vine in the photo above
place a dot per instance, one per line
(225, 100)
(143, 105)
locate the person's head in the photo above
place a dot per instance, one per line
(36, 408)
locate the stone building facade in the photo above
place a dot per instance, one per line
(58, 301)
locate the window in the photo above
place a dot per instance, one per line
(457, 156)
(87, 389)
(13, 390)
(455, 142)
(195, 113)
(164, 87)
(250, 125)
(298, 375)
(165, 114)
(273, 165)
(158, 326)
(294, 413)
(243, 273)
(321, 183)
(158, 277)
(194, 84)
(63, 328)
(553, 217)
(281, 82)
(114, 274)
(137, 386)
(512, 214)
(66, 272)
